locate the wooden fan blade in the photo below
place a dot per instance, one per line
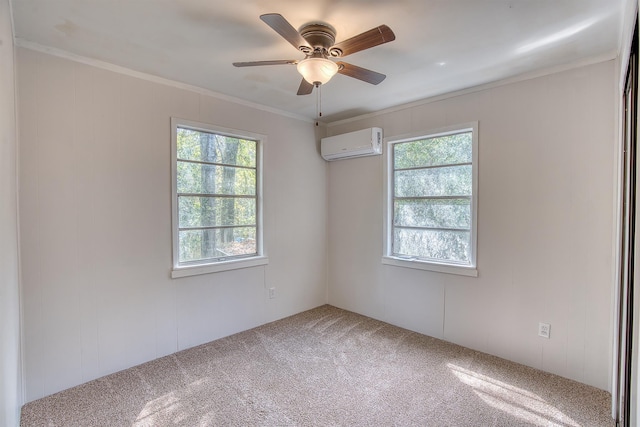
(286, 30)
(274, 62)
(374, 37)
(360, 73)
(305, 88)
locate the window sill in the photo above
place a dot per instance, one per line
(194, 270)
(430, 266)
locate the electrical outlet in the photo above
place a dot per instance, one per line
(544, 330)
(272, 293)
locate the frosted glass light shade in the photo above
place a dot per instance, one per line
(317, 70)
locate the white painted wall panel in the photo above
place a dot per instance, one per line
(355, 227)
(83, 148)
(412, 305)
(10, 363)
(219, 305)
(96, 219)
(546, 224)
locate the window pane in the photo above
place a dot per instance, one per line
(215, 211)
(443, 150)
(209, 179)
(213, 148)
(433, 244)
(198, 245)
(448, 213)
(445, 181)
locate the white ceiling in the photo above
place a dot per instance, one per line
(441, 45)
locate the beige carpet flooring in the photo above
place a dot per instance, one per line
(325, 367)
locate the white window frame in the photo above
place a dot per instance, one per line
(421, 264)
(220, 264)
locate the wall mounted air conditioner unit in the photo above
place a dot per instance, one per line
(365, 142)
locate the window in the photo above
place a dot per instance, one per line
(216, 199)
(431, 200)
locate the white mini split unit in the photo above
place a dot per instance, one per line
(365, 142)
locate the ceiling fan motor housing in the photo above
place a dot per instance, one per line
(320, 36)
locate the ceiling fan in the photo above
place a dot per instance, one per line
(317, 41)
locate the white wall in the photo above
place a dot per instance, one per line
(10, 378)
(95, 221)
(546, 224)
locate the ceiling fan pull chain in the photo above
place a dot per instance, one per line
(318, 102)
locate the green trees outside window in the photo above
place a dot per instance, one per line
(217, 197)
(432, 184)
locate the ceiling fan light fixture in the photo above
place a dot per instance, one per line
(317, 70)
